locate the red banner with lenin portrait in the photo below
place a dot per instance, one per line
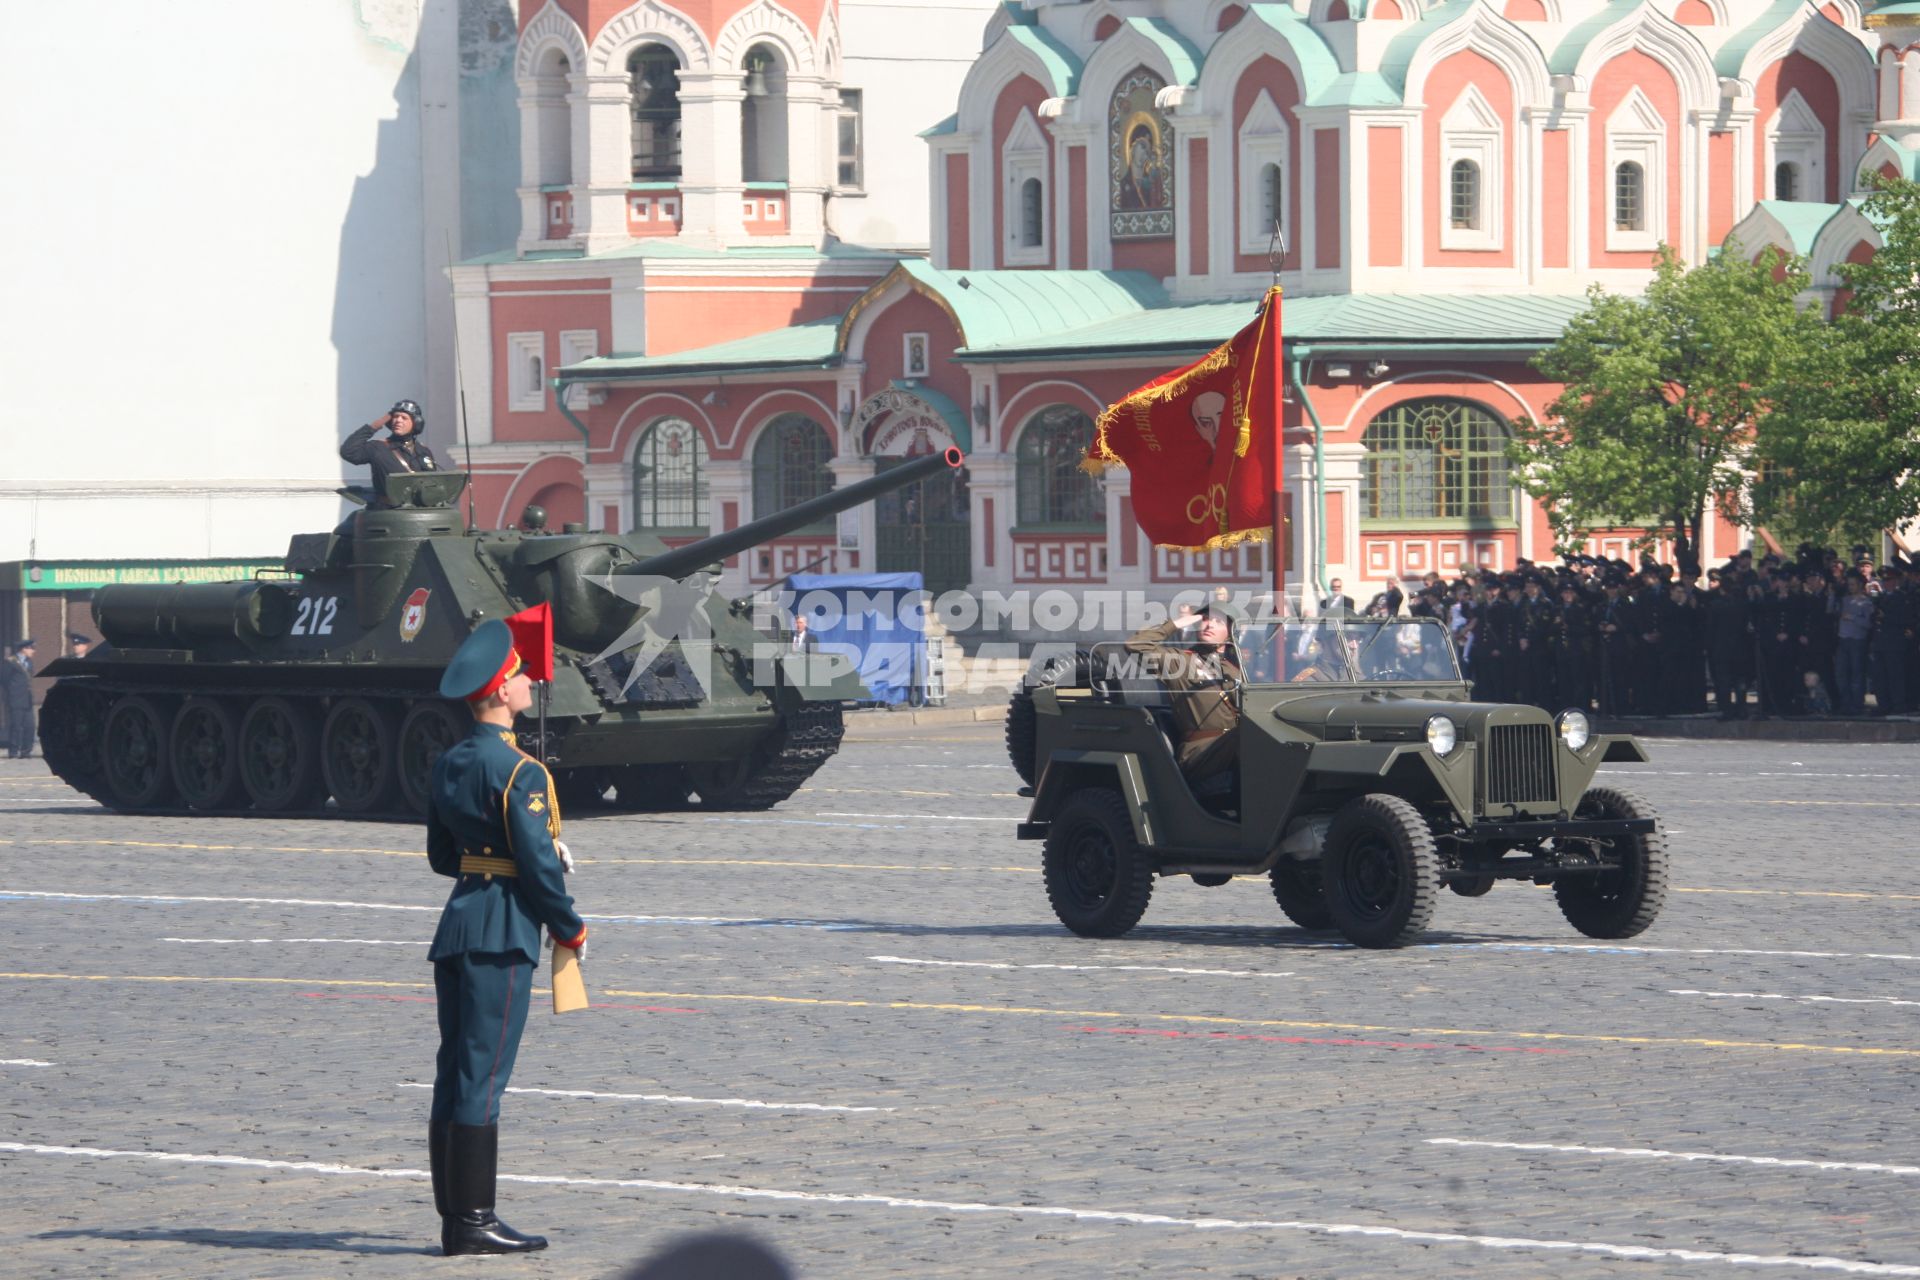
(1203, 442)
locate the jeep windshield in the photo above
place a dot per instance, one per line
(1338, 650)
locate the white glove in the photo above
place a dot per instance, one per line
(566, 856)
(580, 950)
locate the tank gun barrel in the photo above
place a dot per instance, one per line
(681, 561)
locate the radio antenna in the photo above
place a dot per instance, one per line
(460, 378)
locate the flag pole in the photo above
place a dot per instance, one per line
(1279, 551)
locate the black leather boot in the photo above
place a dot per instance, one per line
(437, 1162)
(473, 1153)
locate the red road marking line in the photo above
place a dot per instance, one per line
(1340, 1042)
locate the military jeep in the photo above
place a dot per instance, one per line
(1367, 779)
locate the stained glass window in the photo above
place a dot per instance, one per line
(670, 477)
(1049, 486)
(790, 466)
(1436, 460)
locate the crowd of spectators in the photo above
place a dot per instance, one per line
(1814, 634)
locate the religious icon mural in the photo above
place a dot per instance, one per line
(1140, 159)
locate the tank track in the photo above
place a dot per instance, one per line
(807, 739)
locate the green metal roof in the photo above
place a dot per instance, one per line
(1566, 55)
(1400, 50)
(950, 125)
(1905, 158)
(1802, 220)
(810, 345)
(1376, 321)
(1902, 13)
(1317, 64)
(1061, 63)
(1740, 43)
(997, 307)
(1182, 57)
(1358, 89)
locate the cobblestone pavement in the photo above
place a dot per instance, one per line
(852, 1028)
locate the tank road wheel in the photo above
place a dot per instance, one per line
(73, 722)
(358, 755)
(205, 747)
(1382, 871)
(1302, 895)
(650, 788)
(1023, 731)
(135, 751)
(429, 729)
(722, 784)
(1622, 902)
(280, 756)
(1098, 878)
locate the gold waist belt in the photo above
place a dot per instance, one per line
(475, 865)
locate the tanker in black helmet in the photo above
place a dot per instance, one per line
(403, 452)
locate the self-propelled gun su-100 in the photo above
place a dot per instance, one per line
(273, 694)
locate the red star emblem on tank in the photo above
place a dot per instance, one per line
(414, 615)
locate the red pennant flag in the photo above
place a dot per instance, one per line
(1204, 442)
(533, 640)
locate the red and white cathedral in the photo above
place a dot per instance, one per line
(691, 334)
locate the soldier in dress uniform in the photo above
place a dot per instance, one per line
(492, 823)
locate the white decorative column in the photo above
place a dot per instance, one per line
(990, 475)
(711, 188)
(848, 469)
(607, 486)
(810, 163)
(1118, 484)
(731, 481)
(602, 158)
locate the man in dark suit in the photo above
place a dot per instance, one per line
(493, 821)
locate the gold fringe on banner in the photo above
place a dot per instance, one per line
(1220, 542)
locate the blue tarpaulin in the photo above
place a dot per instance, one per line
(878, 620)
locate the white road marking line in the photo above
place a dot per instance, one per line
(924, 817)
(676, 1099)
(1741, 773)
(1764, 995)
(1670, 951)
(1810, 1262)
(1651, 1153)
(23, 1062)
(357, 942)
(181, 897)
(1134, 968)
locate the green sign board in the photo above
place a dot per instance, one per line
(83, 575)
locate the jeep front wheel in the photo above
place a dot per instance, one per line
(1622, 901)
(1382, 872)
(1097, 877)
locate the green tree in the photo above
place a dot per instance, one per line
(1840, 458)
(1663, 396)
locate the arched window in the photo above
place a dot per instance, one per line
(763, 116)
(1273, 196)
(1629, 197)
(670, 477)
(655, 75)
(790, 465)
(1463, 196)
(552, 124)
(1049, 486)
(1786, 181)
(1436, 460)
(1032, 214)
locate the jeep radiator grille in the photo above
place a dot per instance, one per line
(1517, 765)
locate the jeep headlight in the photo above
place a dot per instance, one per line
(1575, 729)
(1441, 735)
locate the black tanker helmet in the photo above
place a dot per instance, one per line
(413, 410)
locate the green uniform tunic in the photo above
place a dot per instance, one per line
(491, 822)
